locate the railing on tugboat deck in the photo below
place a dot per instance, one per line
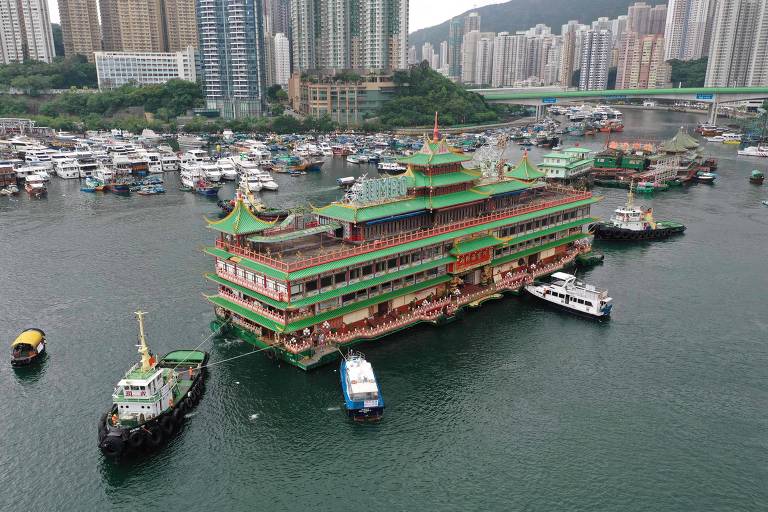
(385, 243)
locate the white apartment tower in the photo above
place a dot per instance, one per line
(282, 60)
(739, 44)
(595, 56)
(25, 31)
(686, 29)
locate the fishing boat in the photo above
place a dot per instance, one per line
(149, 190)
(391, 167)
(28, 347)
(206, 188)
(564, 291)
(353, 159)
(150, 402)
(632, 223)
(362, 395)
(346, 181)
(34, 184)
(757, 177)
(705, 177)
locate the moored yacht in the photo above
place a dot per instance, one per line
(67, 169)
(566, 292)
(362, 395)
(227, 169)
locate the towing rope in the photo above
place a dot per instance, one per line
(209, 337)
(237, 357)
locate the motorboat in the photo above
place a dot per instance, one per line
(251, 182)
(362, 395)
(227, 169)
(758, 151)
(566, 292)
(35, 185)
(67, 169)
(211, 171)
(28, 347)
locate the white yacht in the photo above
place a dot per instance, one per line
(760, 151)
(190, 174)
(391, 167)
(154, 162)
(325, 149)
(251, 182)
(87, 165)
(104, 174)
(30, 169)
(566, 292)
(227, 169)
(210, 171)
(170, 162)
(40, 156)
(194, 155)
(67, 169)
(267, 182)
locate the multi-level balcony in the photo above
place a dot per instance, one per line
(333, 249)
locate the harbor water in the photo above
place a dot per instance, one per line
(513, 407)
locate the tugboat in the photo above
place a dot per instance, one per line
(632, 223)
(362, 396)
(566, 292)
(757, 177)
(150, 401)
(28, 347)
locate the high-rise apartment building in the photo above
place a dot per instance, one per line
(232, 56)
(80, 27)
(639, 18)
(472, 22)
(133, 25)
(340, 34)
(739, 44)
(570, 60)
(427, 52)
(282, 60)
(484, 59)
(595, 53)
(641, 62)
(11, 38)
(277, 17)
(180, 24)
(658, 19)
(455, 38)
(688, 24)
(25, 31)
(469, 63)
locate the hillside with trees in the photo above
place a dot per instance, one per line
(421, 92)
(523, 14)
(63, 73)
(690, 73)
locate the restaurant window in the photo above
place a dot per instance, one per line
(367, 270)
(340, 277)
(311, 285)
(392, 263)
(326, 281)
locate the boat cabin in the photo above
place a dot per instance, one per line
(140, 395)
(29, 345)
(361, 382)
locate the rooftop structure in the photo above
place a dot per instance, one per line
(566, 164)
(394, 252)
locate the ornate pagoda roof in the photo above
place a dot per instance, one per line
(525, 170)
(240, 221)
(680, 143)
(434, 152)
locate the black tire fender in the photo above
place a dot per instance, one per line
(136, 439)
(167, 424)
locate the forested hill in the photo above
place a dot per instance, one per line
(523, 14)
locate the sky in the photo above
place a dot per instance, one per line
(424, 13)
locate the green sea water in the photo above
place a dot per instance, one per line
(514, 407)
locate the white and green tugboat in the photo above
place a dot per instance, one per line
(150, 401)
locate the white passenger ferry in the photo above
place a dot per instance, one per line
(566, 292)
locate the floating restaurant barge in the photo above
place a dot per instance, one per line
(395, 252)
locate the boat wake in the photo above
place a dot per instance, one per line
(333, 409)
(253, 417)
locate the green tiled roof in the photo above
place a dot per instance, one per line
(353, 260)
(525, 170)
(501, 187)
(434, 153)
(240, 221)
(577, 150)
(419, 179)
(352, 213)
(533, 250)
(292, 235)
(548, 231)
(446, 200)
(475, 244)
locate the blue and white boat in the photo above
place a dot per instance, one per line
(362, 395)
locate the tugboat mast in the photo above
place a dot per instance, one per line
(146, 365)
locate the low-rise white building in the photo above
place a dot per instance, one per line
(115, 69)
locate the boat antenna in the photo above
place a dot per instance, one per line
(146, 365)
(631, 194)
(436, 131)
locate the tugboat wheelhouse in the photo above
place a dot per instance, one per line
(395, 252)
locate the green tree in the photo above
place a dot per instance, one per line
(689, 73)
